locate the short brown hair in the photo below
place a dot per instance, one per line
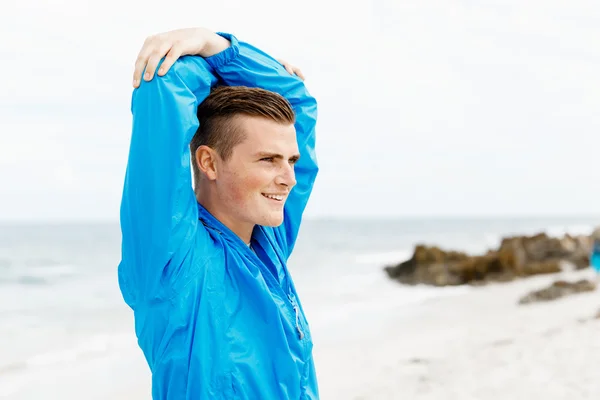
(216, 112)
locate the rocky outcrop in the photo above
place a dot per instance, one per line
(517, 256)
(557, 290)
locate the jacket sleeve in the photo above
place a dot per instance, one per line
(254, 68)
(159, 215)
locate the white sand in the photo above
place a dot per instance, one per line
(481, 345)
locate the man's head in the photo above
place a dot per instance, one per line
(244, 153)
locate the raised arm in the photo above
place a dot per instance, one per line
(158, 210)
(252, 67)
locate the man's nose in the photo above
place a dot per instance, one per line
(287, 176)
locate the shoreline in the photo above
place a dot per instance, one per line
(477, 343)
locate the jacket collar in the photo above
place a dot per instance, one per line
(213, 223)
(258, 235)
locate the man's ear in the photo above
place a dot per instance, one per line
(206, 160)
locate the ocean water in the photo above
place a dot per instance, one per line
(60, 303)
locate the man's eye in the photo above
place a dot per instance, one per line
(267, 159)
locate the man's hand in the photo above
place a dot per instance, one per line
(172, 45)
(291, 69)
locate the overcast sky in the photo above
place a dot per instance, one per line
(450, 107)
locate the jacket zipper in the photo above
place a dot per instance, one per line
(291, 297)
(297, 311)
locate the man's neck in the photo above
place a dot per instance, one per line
(243, 231)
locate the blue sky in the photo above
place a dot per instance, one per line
(426, 107)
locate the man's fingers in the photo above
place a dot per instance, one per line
(142, 59)
(160, 50)
(289, 69)
(287, 66)
(151, 66)
(140, 64)
(152, 52)
(299, 73)
(172, 56)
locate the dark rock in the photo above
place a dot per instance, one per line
(557, 290)
(517, 256)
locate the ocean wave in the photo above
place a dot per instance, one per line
(30, 280)
(38, 274)
(94, 346)
(572, 230)
(40, 262)
(554, 230)
(51, 271)
(388, 257)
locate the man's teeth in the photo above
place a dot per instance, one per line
(274, 197)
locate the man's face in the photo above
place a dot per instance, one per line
(254, 183)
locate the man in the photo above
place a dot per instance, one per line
(216, 312)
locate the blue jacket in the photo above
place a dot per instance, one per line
(212, 319)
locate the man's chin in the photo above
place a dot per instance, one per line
(272, 222)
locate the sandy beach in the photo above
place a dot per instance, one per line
(480, 345)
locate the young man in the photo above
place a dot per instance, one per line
(216, 312)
